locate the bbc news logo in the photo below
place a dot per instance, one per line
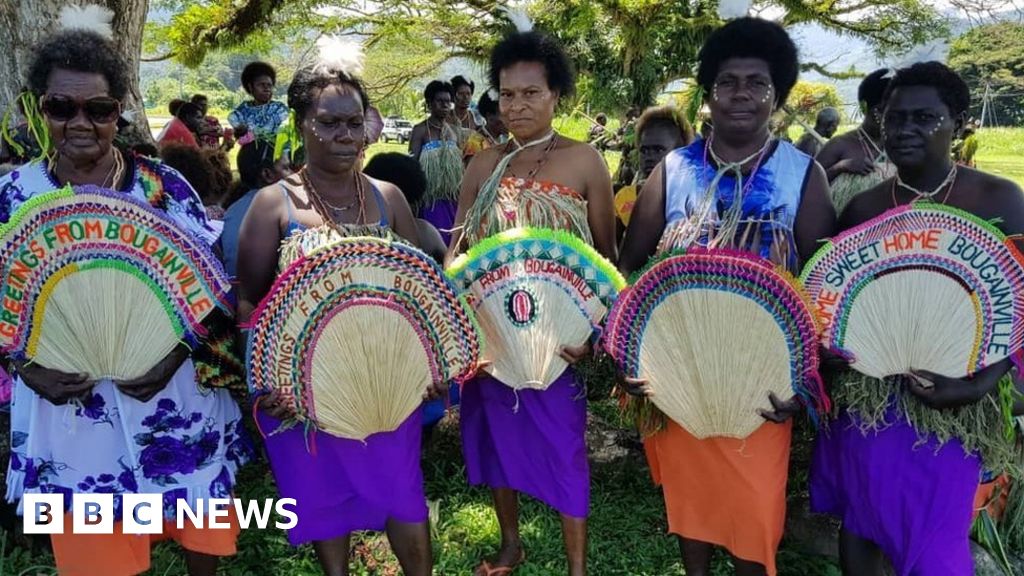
(144, 513)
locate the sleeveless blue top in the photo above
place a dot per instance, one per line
(770, 201)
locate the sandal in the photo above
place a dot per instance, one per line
(485, 568)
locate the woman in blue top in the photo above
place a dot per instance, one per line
(735, 495)
(261, 117)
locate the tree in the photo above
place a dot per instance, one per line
(992, 57)
(25, 24)
(628, 50)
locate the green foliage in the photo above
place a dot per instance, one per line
(626, 50)
(808, 98)
(631, 48)
(993, 55)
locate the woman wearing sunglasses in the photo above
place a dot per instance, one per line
(159, 434)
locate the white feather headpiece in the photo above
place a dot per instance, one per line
(729, 9)
(935, 50)
(519, 19)
(339, 55)
(98, 19)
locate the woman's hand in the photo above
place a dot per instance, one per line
(638, 387)
(436, 390)
(273, 405)
(145, 387)
(55, 386)
(782, 411)
(941, 392)
(573, 354)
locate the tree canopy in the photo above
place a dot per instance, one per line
(625, 50)
(992, 57)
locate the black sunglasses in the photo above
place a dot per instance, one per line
(99, 110)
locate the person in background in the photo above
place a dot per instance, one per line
(435, 144)
(261, 117)
(598, 136)
(404, 172)
(463, 116)
(172, 107)
(856, 161)
(256, 169)
(825, 126)
(146, 149)
(210, 131)
(966, 146)
(625, 142)
(221, 181)
(183, 128)
(659, 130)
(190, 162)
(492, 131)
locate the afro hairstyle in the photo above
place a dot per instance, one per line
(538, 47)
(254, 70)
(78, 51)
(751, 38)
(951, 87)
(436, 87)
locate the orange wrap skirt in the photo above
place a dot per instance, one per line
(725, 491)
(120, 554)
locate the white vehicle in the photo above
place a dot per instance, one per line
(396, 130)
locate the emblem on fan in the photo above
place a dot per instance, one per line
(521, 307)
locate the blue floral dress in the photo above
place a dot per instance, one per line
(186, 442)
(264, 120)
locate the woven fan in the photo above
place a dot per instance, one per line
(98, 282)
(927, 287)
(713, 332)
(354, 333)
(535, 290)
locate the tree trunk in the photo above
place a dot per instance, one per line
(24, 23)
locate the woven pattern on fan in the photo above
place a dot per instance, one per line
(535, 290)
(923, 287)
(713, 332)
(98, 282)
(353, 334)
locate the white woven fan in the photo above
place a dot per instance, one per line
(714, 332)
(109, 286)
(354, 333)
(534, 291)
(923, 287)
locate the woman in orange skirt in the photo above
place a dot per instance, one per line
(723, 491)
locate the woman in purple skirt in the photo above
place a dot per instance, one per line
(436, 145)
(903, 487)
(339, 485)
(532, 442)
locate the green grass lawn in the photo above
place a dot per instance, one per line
(627, 528)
